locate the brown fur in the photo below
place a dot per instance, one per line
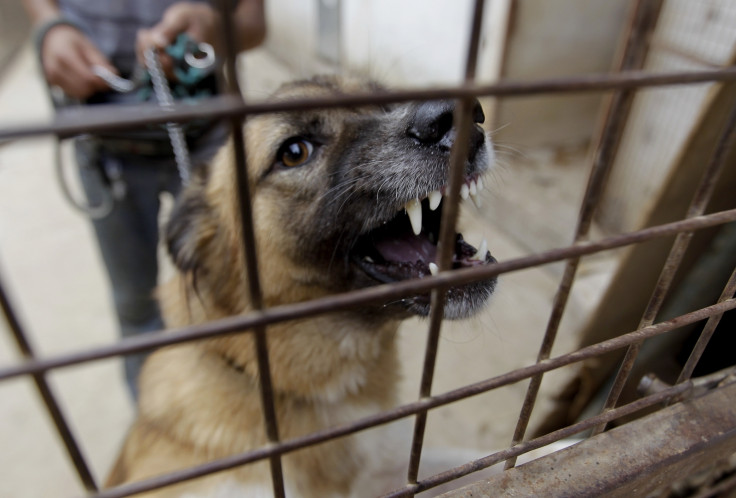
(200, 401)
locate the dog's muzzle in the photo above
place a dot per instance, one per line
(405, 246)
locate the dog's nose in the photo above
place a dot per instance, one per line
(432, 124)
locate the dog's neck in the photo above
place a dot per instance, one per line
(327, 371)
(326, 358)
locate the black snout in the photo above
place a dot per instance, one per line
(432, 124)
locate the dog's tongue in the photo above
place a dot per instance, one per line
(407, 248)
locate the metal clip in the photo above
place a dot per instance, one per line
(192, 61)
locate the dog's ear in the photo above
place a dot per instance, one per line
(189, 227)
(200, 246)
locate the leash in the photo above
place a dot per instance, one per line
(193, 61)
(163, 94)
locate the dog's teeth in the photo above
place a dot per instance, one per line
(433, 269)
(473, 188)
(464, 191)
(479, 184)
(435, 197)
(476, 200)
(482, 251)
(414, 211)
(368, 259)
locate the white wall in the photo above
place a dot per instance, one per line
(421, 43)
(413, 42)
(292, 32)
(399, 42)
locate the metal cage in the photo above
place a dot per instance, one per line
(698, 413)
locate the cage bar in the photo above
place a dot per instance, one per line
(710, 327)
(458, 157)
(354, 299)
(674, 259)
(436, 401)
(47, 396)
(250, 257)
(637, 459)
(641, 22)
(225, 106)
(232, 107)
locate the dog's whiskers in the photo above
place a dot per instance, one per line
(342, 187)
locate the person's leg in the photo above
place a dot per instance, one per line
(128, 241)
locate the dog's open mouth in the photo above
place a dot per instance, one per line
(405, 247)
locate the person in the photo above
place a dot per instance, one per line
(73, 38)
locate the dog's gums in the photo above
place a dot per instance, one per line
(406, 247)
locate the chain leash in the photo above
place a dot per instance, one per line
(162, 91)
(198, 61)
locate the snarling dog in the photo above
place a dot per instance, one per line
(342, 199)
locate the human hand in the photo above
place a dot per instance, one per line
(67, 57)
(199, 20)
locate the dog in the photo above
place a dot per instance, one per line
(342, 199)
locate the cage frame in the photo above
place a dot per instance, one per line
(622, 85)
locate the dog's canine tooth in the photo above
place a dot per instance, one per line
(435, 197)
(433, 269)
(464, 191)
(414, 211)
(476, 200)
(482, 251)
(474, 192)
(479, 184)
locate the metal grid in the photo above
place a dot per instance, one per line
(230, 106)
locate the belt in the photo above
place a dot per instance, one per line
(134, 147)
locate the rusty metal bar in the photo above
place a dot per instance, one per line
(641, 458)
(225, 106)
(534, 444)
(642, 18)
(435, 402)
(719, 489)
(447, 240)
(710, 327)
(697, 207)
(458, 158)
(235, 109)
(650, 383)
(250, 257)
(471, 58)
(353, 299)
(47, 396)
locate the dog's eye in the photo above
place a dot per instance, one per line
(295, 152)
